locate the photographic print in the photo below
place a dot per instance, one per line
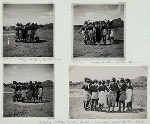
(98, 31)
(28, 90)
(108, 92)
(28, 30)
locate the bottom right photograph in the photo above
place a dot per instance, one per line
(108, 92)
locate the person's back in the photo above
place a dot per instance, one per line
(114, 87)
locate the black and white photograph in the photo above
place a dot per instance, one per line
(98, 31)
(108, 92)
(28, 90)
(28, 30)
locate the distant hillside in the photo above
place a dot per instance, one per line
(139, 82)
(115, 22)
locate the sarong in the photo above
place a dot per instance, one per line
(23, 93)
(102, 97)
(122, 96)
(94, 95)
(40, 92)
(112, 98)
(129, 94)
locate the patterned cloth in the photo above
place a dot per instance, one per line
(122, 96)
(112, 98)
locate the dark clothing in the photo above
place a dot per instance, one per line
(129, 87)
(93, 88)
(102, 88)
(114, 87)
(123, 87)
(98, 34)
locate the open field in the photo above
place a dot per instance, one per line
(76, 109)
(18, 109)
(87, 51)
(20, 49)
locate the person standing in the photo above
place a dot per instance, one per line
(102, 95)
(112, 94)
(40, 92)
(129, 93)
(94, 97)
(30, 91)
(86, 87)
(122, 98)
(23, 92)
(98, 32)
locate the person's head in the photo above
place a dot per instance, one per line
(122, 80)
(128, 81)
(103, 82)
(100, 82)
(113, 80)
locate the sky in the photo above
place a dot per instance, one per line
(97, 13)
(78, 73)
(27, 72)
(24, 13)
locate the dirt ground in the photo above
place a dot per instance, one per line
(19, 49)
(76, 109)
(104, 51)
(19, 109)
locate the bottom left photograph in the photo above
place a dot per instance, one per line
(28, 90)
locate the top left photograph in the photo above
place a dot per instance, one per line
(28, 30)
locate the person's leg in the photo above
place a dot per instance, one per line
(123, 102)
(131, 105)
(119, 105)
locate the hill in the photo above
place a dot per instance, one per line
(139, 82)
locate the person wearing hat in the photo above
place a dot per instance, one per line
(112, 94)
(94, 97)
(102, 95)
(86, 87)
(122, 98)
(129, 94)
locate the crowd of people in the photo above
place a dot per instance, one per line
(108, 93)
(26, 33)
(95, 31)
(29, 91)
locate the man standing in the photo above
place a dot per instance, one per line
(113, 94)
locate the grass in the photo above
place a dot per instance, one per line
(76, 110)
(85, 51)
(20, 49)
(18, 109)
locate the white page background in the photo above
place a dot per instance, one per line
(137, 32)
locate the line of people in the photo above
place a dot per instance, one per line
(107, 93)
(95, 31)
(26, 32)
(30, 91)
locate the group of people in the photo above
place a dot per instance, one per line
(29, 91)
(108, 93)
(26, 33)
(95, 31)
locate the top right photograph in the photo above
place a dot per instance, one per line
(98, 31)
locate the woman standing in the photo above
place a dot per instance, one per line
(94, 89)
(23, 92)
(129, 94)
(102, 95)
(30, 91)
(40, 92)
